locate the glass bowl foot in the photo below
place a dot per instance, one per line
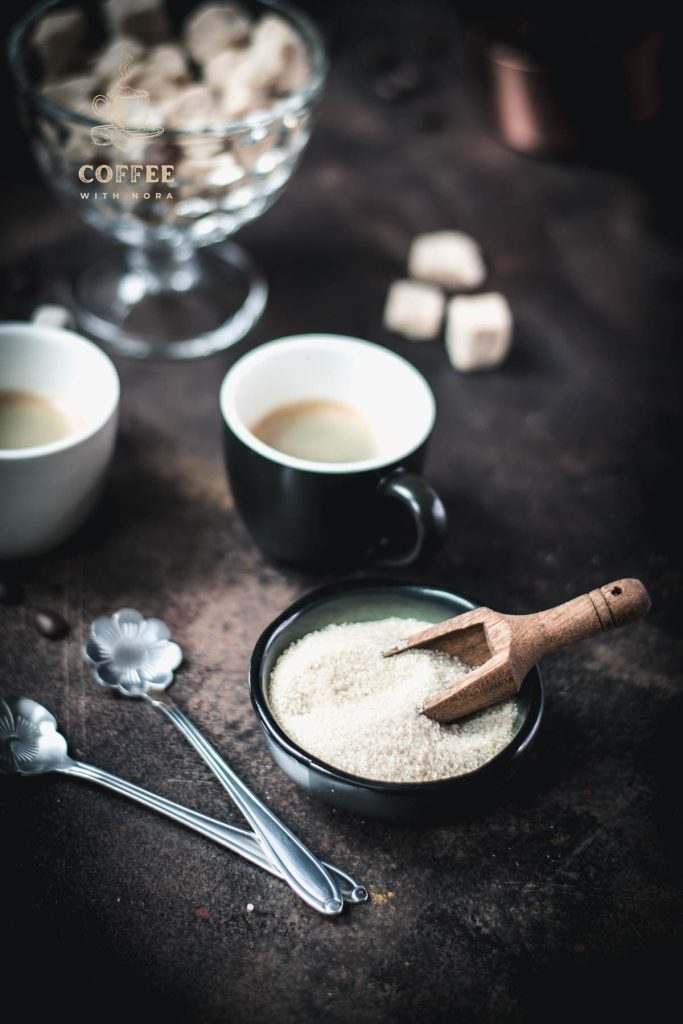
(170, 304)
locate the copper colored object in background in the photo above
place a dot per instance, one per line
(643, 78)
(526, 105)
(578, 95)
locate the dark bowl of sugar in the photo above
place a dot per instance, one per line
(369, 601)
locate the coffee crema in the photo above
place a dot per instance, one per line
(28, 420)
(319, 430)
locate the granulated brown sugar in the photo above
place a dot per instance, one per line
(336, 696)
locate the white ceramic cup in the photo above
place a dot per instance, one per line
(47, 491)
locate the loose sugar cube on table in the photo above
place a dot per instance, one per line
(213, 28)
(58, 39)
(145, 20)
(414, 309)
(52, 315)
(448, 258)
(478, 331)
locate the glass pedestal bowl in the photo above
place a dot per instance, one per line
(176, 288)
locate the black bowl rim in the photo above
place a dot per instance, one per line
(514, 749)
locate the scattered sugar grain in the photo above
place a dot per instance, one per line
(336, 696)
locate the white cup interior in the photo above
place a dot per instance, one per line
(393, 396)
(63, 367)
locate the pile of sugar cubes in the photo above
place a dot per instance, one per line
(223, 66)
(478, 327)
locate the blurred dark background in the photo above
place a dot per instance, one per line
(563, 902)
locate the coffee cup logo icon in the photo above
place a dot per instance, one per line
(128, 113)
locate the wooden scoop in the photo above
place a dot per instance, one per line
(504, 647)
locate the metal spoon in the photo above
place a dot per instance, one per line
(135, 656)
(31, 745)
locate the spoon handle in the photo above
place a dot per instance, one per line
(300, 868)
(232, 838)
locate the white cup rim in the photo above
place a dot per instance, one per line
(334, 343)
(12, 328)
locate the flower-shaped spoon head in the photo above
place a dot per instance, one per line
(29, 741)
(132, 654)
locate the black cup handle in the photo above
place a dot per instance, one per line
(427, 512)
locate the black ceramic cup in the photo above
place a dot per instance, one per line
(320, 514)
(407, 802)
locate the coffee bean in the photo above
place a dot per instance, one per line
(51, 624)
(11, 592)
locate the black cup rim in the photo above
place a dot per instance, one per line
(320, 340)
(517, 746)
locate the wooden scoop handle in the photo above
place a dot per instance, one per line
(614, 605)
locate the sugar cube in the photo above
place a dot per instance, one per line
(145, 20)
(166, 62)
(75, 93)
(58, 39)
(246, 88)
(448, 258)
(117, 57)
(213, 28)
(219, 69)
(160, 72)
(414, 309)
(52, 315)
(281, 53)
(478, 331)
(189, 107)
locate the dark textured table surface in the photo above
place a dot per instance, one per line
(561, 899)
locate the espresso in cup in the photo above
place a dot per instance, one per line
(320, 430)
(59, 397)
(28, 419)
(325, 438)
